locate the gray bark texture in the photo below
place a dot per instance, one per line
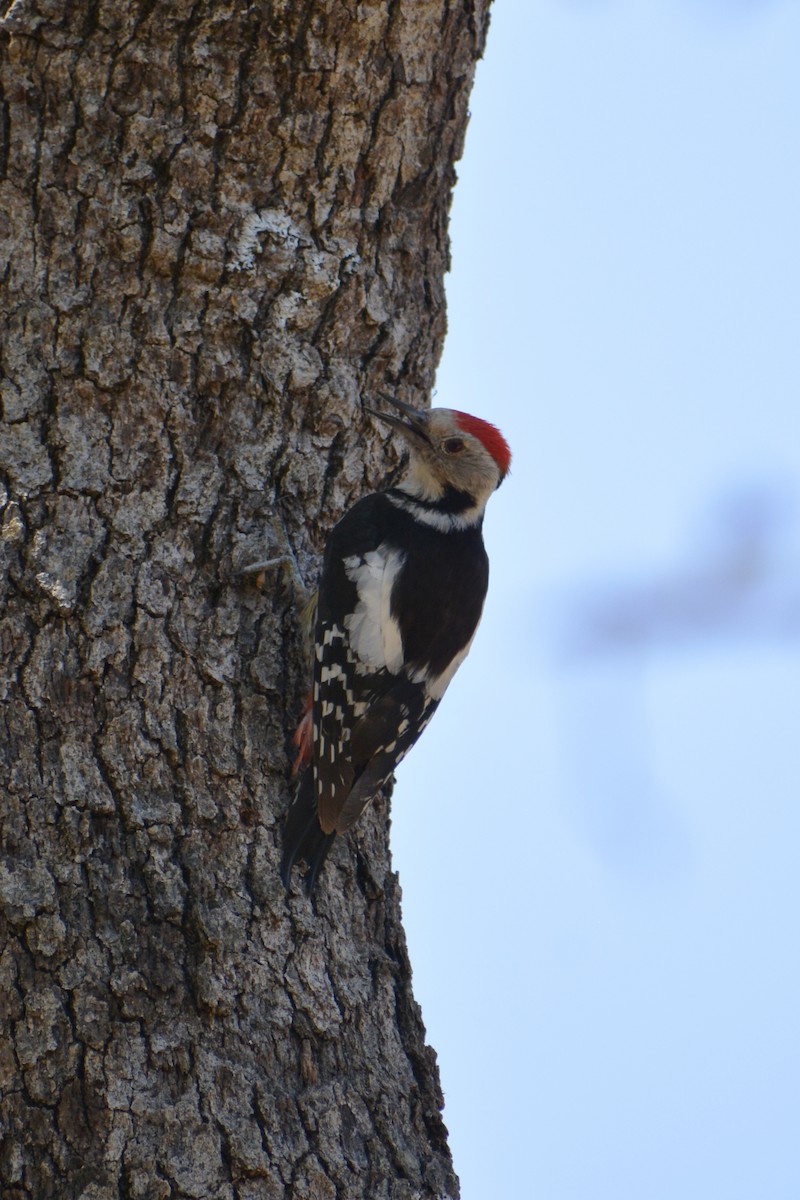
(222, 226)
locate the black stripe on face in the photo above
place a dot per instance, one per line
(452, 502)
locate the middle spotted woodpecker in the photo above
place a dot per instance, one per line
(402, 588)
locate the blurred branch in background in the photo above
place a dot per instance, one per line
(739, 587)
(741, 583)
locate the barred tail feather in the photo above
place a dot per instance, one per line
(303, 838)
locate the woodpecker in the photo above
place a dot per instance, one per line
(401, 592)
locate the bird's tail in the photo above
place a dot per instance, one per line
(303, 837)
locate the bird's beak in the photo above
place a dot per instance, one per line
(415, 423)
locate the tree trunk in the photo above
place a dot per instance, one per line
(222, 226)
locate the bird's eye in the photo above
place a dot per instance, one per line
(453, 445)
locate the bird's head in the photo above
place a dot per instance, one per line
(455, 459)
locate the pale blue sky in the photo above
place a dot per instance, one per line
(598, 837)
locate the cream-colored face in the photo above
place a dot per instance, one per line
(444, 455)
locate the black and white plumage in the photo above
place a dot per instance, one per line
(401, 592)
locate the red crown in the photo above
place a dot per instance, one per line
(491, 437)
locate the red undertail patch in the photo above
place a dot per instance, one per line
(303, 738)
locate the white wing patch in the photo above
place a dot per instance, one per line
(374, 633)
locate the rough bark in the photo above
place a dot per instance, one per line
(222, 226)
